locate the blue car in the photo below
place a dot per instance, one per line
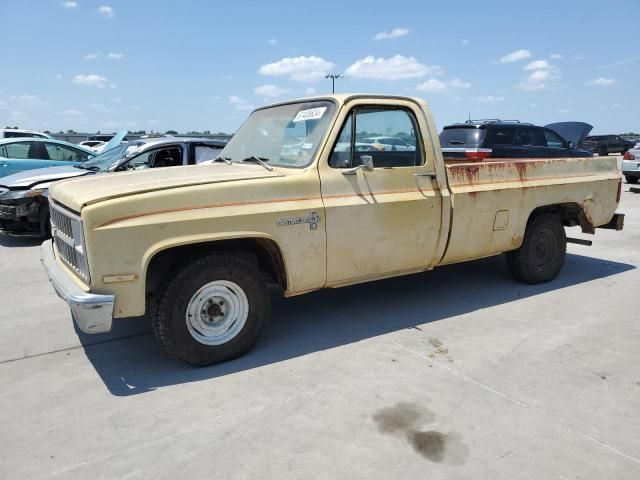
(18, 154)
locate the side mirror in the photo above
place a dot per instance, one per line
(366, 165)
(570, 144)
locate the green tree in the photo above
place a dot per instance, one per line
(171, 132)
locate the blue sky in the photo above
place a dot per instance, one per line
(203, 65)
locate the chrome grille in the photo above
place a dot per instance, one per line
(68, 237)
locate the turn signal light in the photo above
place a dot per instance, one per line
(477, 153)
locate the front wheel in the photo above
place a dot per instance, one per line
(631, 179)
(541, 255)
(211, 310)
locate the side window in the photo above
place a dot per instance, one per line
(390, 124)
(553, 140)
(530, 137)
(504, 136)
(202, 153)
(23, 150)
(61, 153)
(342, 151)
(158, 158)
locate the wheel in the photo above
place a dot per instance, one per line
(602, 151)
(631, 179)
(541, 255)
(211, 310)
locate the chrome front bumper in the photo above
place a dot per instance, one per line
(93, 313)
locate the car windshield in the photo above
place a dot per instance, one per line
(284, 135)
(109, 159)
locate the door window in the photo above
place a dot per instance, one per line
(553, 140)
(61, 153)
(158, 158)
(530, 137)
(504, 136)
(23, 150)
(386, 134)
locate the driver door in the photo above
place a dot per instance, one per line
(385, 220)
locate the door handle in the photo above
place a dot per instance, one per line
(431, 175)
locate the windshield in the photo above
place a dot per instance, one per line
(285, 135)
(109, 159)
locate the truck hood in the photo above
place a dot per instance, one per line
(571, 131)
(78, 192)
(40, 177)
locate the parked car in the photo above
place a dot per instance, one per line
(631, 165)
(388, 143)
(24, 204)
(196, 247)
(19, 133)
(481, 139)
(95, 145)
(18, 154)
(606, 144)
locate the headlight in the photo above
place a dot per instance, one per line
(19, 194)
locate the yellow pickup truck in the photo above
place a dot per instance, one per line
(312, 193)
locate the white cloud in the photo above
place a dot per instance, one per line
(457, 98)
(91, 56)
(135, 107)
(270, 91)
(516, 56)
(537, 65)
(59, 76)
(153, 122)
(457, 83)
(273, 41)
(69, 4)
(26, 100)
(601, 82)
(114, 55)
(105, 11)
(112, 124)
(464, 42)
(17, 115)
(131, 124)
(3, 105)
(310, 91)
(298, 68)
(394, 68)
(96, 106)
(433, 86)
(387, 34)
(113, 85)
(240, 103)
(564, 111)
(72, 112)
(556, 56)
(91, 79)
(489, 99)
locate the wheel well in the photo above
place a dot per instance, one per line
(264, 252)
(571, 215)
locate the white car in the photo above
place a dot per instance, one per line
(631, 165)
(95, 145)
(19, 133)
(389, 143)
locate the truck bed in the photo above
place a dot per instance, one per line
(492, 200)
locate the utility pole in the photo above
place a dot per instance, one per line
(333, 77)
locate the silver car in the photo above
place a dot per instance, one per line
(24, 206)
(631, 165)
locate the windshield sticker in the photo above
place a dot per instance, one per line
(307, 146)
(310, 114)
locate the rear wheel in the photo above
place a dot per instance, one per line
(631, 179)
(602, 151)
(541, 255)
(211, 310)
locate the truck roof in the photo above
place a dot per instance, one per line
(341, 98)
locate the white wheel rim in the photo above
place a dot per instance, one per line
(217, 312)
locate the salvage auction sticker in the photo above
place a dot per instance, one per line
(310, 114)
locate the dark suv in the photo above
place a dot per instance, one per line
(480, 139)
(606, 144)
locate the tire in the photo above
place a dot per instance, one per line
(194, 302)
(602, 151)
(631, 179)
(541, 255)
